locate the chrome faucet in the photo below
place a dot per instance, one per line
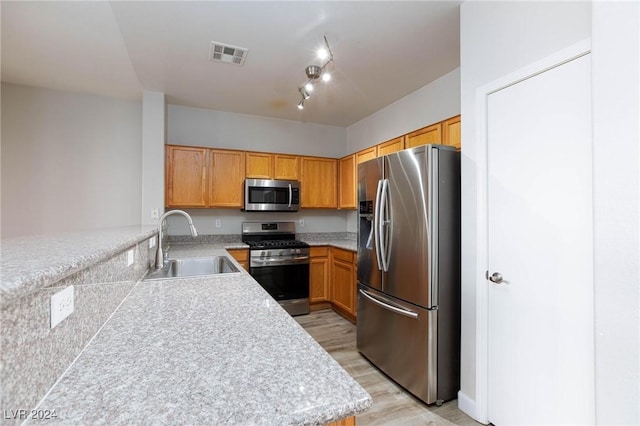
(159, 254)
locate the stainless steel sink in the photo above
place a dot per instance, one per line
(193, 267)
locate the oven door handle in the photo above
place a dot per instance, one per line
(257, 262)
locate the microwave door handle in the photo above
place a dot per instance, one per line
(290, 195)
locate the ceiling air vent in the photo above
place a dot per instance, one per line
(226, 53)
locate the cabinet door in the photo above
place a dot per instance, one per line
(241, 256)
(286, 167)
(451, 132)
(393, 145)
(227, 178)
(342, 294)
(366, 154)
(186, 176)
(259, 165)
(319, 275)
(427, 135)
(343, 280)
(347, 182)
(319, 187)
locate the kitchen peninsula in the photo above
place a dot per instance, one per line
(208, 350)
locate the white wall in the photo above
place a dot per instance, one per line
(498, 38)
(69, 161)
(616, 141)
(219, 129)
(153, 136)
(430, 104)
(231, 221)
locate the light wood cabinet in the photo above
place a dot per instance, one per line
(286, 167)
(186, 176)
(343, 281)
(366, 154)
(347, 182)
(427, 135)
(203, 177)
(241, 256)
(264, 165)
(319, 275)
(226, 178)
(393, 145)
(259, 165)
(452, 132)
(318, 181)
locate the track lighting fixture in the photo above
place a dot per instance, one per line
(314, 72)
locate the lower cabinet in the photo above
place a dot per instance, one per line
(241, 256)
(319, 277)
(343, 281)
(332, 280)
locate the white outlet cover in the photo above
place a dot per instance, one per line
(130, 257)
(218, 223)
(62, 304)
(152, 242)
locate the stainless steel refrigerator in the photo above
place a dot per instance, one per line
(409, 269)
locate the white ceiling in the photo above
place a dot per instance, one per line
(382, 52)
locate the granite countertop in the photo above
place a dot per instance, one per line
(343, 240)
(209, 350)
(30, 263)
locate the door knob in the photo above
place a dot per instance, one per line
(496, 277)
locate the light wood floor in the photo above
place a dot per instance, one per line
(391, 403)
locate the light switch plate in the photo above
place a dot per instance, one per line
(152, 242)
(61, 305)
(218, 223)
(130, 257)
(301, 222)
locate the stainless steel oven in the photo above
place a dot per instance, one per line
(267, 195)
(279, 263)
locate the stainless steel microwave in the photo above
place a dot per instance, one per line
(265, 195)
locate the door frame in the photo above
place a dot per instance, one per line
(481, 284)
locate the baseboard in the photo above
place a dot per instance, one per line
(468, 406)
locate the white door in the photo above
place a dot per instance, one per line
(540, 226)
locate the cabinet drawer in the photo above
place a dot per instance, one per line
(341, 254)
(322, 251)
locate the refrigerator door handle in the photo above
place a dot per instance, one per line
(376, 221)
(405, 312)
(382, 222)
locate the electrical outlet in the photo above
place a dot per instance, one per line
(301, 222)
(152, 242)
(155, 214)
(61, 305)
(130, 257)
(218, 223)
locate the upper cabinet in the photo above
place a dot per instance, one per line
(186, 176)
(259, 165)
(347, 171)
(366, 154)
(427, 135)
(451, 132)
(263, 165)
(286, 167)
(227, 178)
(393, 145)
(203, 177)
(318, 180)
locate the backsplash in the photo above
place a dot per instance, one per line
(33, 355)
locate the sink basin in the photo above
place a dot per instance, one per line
(193, 267)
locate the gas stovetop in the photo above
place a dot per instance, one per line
(266, 244)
